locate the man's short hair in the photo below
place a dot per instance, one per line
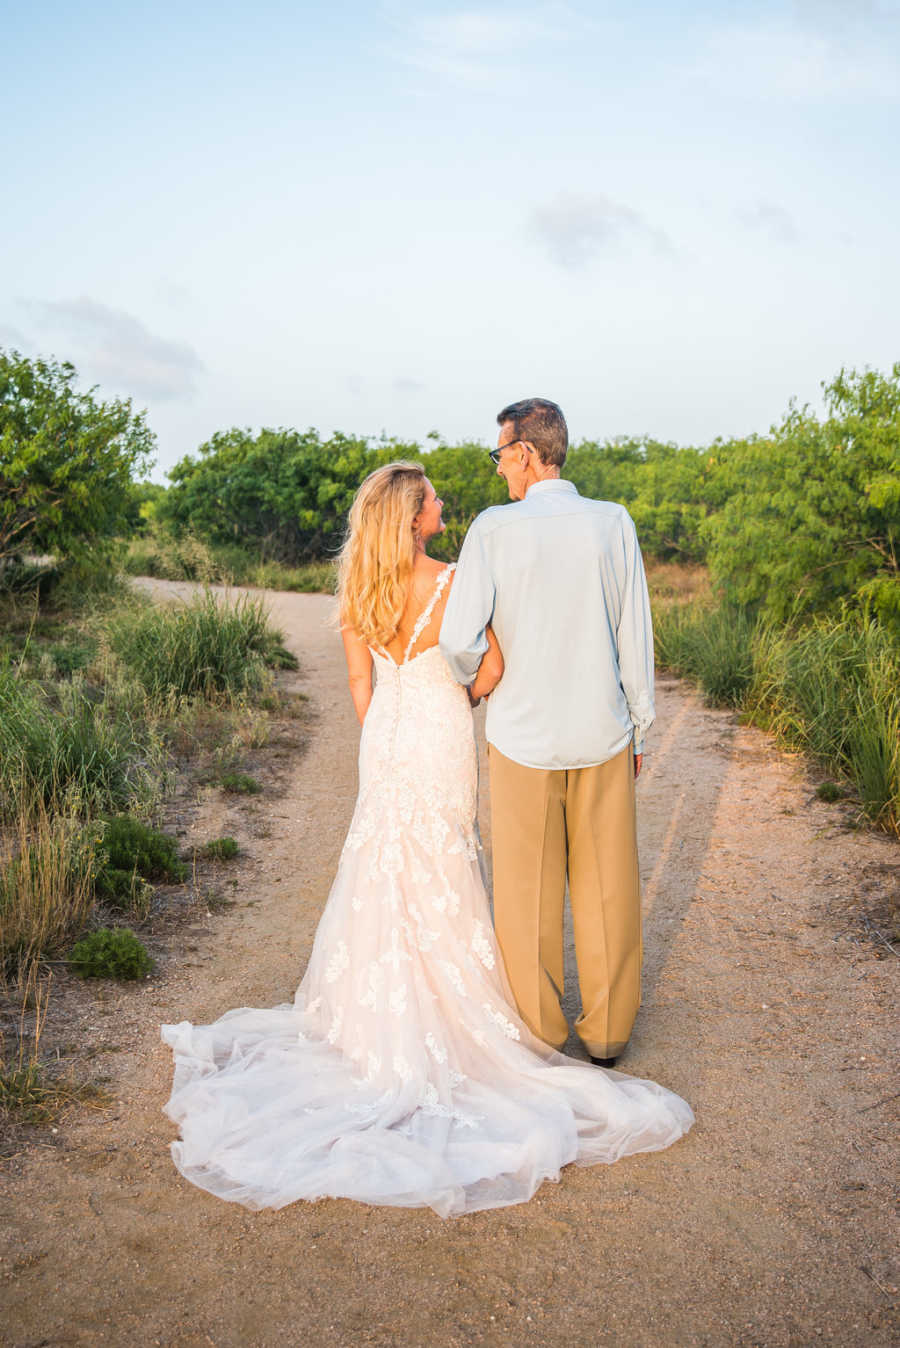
(542, 424)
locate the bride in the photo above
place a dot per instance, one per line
(401, 1073)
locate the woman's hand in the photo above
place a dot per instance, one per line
(490, 671)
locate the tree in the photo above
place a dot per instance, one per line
(811, 513)
(283, 494)
(66, 460)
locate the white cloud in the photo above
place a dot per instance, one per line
(769, 218)
(116, 349)
(478, 44)
(574, 228)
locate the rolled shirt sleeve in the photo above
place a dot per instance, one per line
(635, 641)
(463, 640)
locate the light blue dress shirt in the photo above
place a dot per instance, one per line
(561, 580)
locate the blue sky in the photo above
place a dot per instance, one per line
(398, 217)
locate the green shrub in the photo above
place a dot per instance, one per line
(201, 649)
(830, 792)
(221, 849)
(133, 846)
(110, 952)
(238, 783)
(168, 558)
(72, 656)
(130, 855)
(124, 890)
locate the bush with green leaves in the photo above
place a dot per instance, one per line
(131, 845)
(131, 854)
(66, 460)
(810, 514)
(239, 784)
(110, 952)
(221, 849)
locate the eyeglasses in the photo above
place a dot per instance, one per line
(495, 453)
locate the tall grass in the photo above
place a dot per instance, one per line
(47, 868)
(714, 646)
(831, 689)
(63, 750)
(200, 649)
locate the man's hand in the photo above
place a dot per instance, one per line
(638, 760)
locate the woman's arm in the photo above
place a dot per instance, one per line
(490, 671)
(359, 671)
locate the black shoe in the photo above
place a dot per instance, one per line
(603, 1062)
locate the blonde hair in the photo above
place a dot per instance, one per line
(376, 561)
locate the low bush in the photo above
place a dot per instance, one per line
(220, 849)
(130, 855)
(131, 845)
(239, 784)
(110, 952)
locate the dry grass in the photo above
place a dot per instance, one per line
(47, 867)
(673, 582)
(30, 1092)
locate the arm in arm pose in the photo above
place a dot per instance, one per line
(635, 640)
(490, 671)
(465, 642)
(359, 671)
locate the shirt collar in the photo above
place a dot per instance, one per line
(552, 484)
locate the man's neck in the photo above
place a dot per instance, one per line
(548, 473)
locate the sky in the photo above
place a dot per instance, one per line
(393, 218)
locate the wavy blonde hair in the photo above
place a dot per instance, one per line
(376, 561)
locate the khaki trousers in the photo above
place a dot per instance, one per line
(544, 825)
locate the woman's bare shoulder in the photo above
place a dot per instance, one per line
(429, 566)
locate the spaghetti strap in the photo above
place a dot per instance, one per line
(425, 615)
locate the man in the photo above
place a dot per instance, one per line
(560, 579)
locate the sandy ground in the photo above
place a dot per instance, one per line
(766, 1004)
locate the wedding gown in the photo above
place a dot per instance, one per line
(401, 1073)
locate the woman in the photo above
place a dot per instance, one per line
(401, 1073)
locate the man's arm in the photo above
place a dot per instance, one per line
(463, 639)
(635, 641)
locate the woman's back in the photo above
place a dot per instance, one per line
(429, 589)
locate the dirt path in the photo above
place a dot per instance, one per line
(766, 1005)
